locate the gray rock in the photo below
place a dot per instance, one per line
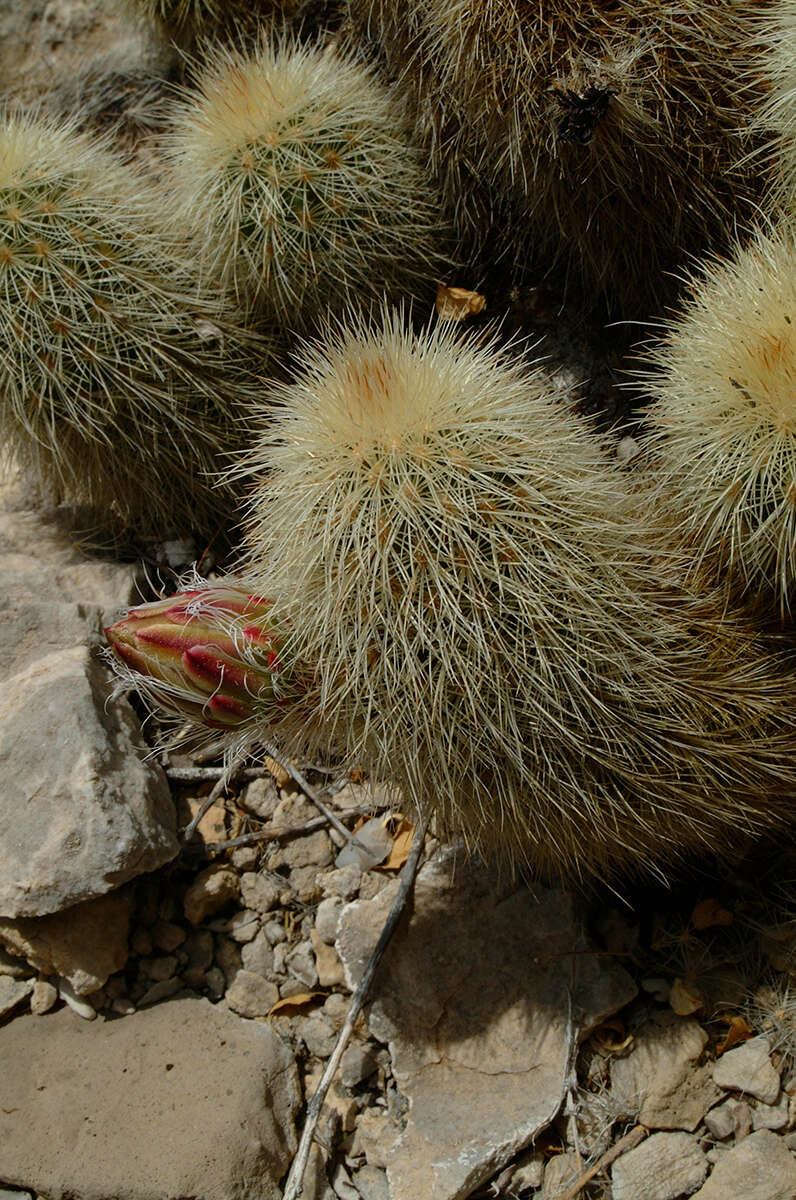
(473, 1000)
(370, 1182)
(159, 991)
(748, 1069)
(258, 956)
(84, 944)
(5, 1194)
(559, 1174)
(759, 1168)
(343, 881)
(13, 966)
(726, 1118)
(664, 1167)
(44, 44)
(250, 995)
(13, 992)
(167, 936)
(245, 858)
(96, 813)
(44, 997)
(317, 1034)
(258, 892)
(243, 926)
(300, 962)
(210, 891)
(275, 932)
(356, 1065)
(327, 918)
(660, 1079)
(261, 798)
(770, 1116)
(179, 1100)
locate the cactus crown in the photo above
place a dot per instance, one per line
(723, 422)
(294, 167)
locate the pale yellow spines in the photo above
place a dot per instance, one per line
(120, 384)
(485, 617)
(293, 166)
(723, 421)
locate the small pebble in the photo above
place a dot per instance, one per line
(163, 967)
(327, 918)
(215, 983)
(212, 889)
(159, 991)
(78, 1004)
(243, 926)
(300, 962)
(275, 932)
(748, 1069)
(43, 997)
(167, 936)
(123, 1006)
(259, 892)
(343, 882)
(245, 858)
(250, 995)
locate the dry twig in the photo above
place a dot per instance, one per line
(295, 1178)
(631, 1139)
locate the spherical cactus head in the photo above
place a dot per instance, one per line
(723, 421)
(121, 386)
(294, 168)
(459, 562)
(210, 655)
(777, 117)
(599, 142)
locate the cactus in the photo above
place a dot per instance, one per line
(778, 115)
(119, 386)
(479, 615)
(600, 139)
(723, 421)
(192, 20)
(293, 167)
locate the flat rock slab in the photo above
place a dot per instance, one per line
(664, 1167)
(81, 812)
(661, 1082)
(761, 1167)
(84, 944)
(181, 1100)
(473, 999)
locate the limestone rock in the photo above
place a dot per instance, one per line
(660, 1079)
(81, 811)
(472, 997)
(664, 1167)
(759, 1168)
(13, 992)
(84, 944)
(174, 1101)
(251, 995)
(748, 1069)
(210, 891)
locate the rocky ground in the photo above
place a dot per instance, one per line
(168, 1002)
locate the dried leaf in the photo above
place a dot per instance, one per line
(685, 998)
(708, 913)
(738, 1030)
(457, 304)
(402, 837)
(300, 1000)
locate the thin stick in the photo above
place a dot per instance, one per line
(312, 795)
(293, 1184)
(632, 1138)
(219, 786)
(205, 774)
(288, 831)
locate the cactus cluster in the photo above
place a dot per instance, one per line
(293, 167)
(111, 389)
(478, 617)
(778, 115)
(722, 427)
(193, 20)
(605, 138)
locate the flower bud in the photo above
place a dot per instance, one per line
(208, 654)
